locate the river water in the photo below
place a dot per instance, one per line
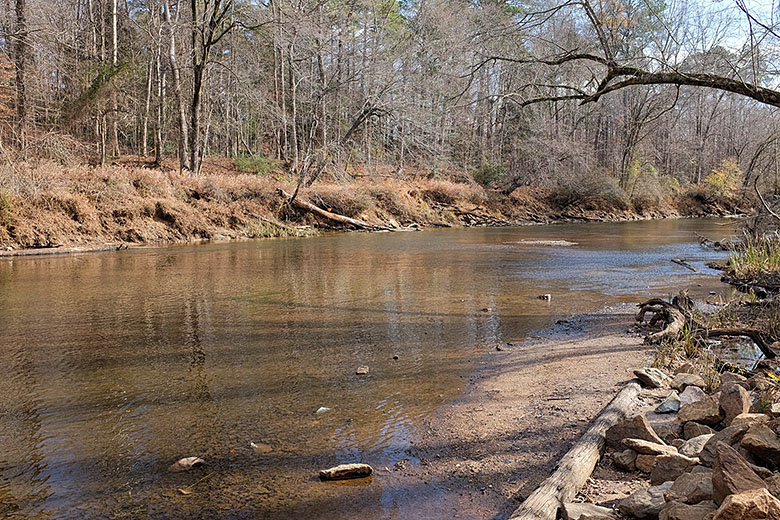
(116, 365)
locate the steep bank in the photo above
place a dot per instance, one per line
(45, 205)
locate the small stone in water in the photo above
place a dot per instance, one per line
(362, 370)
(186, 464)
(261, 447)
(345, 471)
(323, 409)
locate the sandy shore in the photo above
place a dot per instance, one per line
(520, 413)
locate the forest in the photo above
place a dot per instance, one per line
(631, 103)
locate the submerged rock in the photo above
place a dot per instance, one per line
(186, 464)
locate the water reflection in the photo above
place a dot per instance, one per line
(116, 365)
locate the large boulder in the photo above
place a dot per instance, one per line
(645, 503)
(732, 474)
(681, 511)
(669, 467)
(682, 381)
(691, 488)
(731, 436)
(762, 442)
(707, 411)
(635, 427)
(757, 504)
(693, 447)
(734, 400)
(651, 377)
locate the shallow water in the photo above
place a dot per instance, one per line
(118, 364)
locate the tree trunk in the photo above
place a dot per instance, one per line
(176, 74)
(21, 53)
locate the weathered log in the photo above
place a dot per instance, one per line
(756, 336)
(577, 465)
(675, 322)
(328, 215)
(680, 261)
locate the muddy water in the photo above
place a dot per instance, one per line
(116, 365)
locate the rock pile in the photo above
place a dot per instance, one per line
(712, 456)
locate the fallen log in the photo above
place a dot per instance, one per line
(328, 215)
(577, 465)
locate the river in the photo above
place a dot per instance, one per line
(115, 365)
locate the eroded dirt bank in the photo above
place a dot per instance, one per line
(45, 205)
(525, 407)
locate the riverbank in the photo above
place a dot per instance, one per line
(45, 205)
(522, 410)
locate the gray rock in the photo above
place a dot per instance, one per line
(649, 448)
(731, 436)
(669, 467)
(671, 404)
(636, 427)
(665, 425)
(677, 443)
(693, 429)
(691, 488)
(681, 511)
(651, 377)
(625, 460)
(707, 411)
(691, 395)
(693, 447)
(584, 511)
(682, 381)
(645, 503)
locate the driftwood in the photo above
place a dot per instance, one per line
(577, 465)
(680, 261)
(755, 335)
(62, 250)
(677, 316)
(333, 217)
